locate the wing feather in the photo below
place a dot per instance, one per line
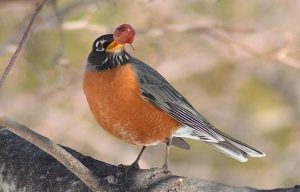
(156, 90)
(159, 92)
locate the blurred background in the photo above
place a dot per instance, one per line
(238, 62)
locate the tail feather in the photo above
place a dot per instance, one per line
(249, 150)
(180, 143)
(242, 146)
(229, 146)
(228, 149)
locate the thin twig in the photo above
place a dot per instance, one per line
(40, 141)
(15, 55)
(64, 11)
(60, 154)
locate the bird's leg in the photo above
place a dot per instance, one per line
(168, 143)
(135, 164)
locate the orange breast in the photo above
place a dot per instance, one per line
(116, 103)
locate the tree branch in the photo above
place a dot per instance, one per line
(54, 150)
(15, 55)
(44, 143)
(27, 168)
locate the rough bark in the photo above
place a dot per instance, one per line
(24, 167)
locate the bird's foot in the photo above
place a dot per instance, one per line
(159, 172)
(134, 165)
(126, 170)
(165, 169)
(128, 167)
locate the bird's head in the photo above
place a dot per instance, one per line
(108, 50)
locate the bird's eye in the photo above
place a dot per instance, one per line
(99, 46)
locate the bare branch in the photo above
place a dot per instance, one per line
(28, 159)
(15, 55)
(60, 154)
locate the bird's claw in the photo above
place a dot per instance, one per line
(165, 169)
(134, 165)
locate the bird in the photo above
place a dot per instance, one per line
(135, 103)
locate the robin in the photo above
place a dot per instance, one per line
(136, 104)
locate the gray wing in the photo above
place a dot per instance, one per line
(159, 92)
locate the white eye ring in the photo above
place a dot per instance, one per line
(99, 49)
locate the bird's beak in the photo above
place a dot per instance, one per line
(114, 46)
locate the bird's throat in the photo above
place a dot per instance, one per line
(103, 61)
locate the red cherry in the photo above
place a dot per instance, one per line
(124, 34)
